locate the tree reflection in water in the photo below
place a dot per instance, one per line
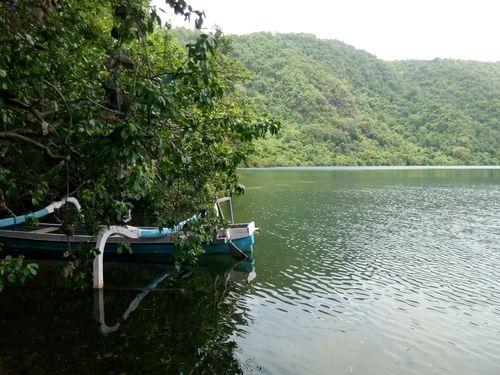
(185, 324)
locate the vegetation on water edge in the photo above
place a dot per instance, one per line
(98, 100)
(16, 270)
(343, 106)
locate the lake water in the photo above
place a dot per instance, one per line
(365, 271)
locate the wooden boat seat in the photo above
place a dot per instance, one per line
(239, 225)
(46, 230)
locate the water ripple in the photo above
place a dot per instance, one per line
(411, 265)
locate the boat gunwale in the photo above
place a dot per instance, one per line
(237, 231)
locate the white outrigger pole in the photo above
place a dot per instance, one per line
(130, 232)
(104, 234)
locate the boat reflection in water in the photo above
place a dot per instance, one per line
(240, 272)
(150, 320)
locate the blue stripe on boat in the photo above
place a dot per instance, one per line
(22, 218)
(162, 232)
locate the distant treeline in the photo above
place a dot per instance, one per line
(343, 106)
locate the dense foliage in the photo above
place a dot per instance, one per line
(342, 106)
(98, 101)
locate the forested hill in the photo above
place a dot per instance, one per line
(343, 106)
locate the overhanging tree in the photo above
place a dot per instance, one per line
(98, 100)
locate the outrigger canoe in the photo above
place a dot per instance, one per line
(47, 242)
(148, 244)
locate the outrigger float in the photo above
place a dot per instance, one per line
(148, 244)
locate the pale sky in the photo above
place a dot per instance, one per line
(389, 29)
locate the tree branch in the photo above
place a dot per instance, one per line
(175, 74)
(3, 205)
(9, 100)
(22, 138)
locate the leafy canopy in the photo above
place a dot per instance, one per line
(98, 100)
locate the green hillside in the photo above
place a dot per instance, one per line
(343, 106)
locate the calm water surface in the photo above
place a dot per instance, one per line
(374, 271)
(356, 271)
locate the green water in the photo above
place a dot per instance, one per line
(366, 271)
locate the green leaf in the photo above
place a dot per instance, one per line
(32, 269)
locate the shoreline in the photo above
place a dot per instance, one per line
(379, 167)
